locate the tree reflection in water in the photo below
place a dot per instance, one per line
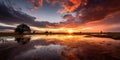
(23, 39)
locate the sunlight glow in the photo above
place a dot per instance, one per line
(70, 31)
(2, 24)
(63, 29)
(58, 37)
(87, 28)
(70, 36)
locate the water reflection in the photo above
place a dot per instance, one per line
(23, 39)
(61, 47)
(82, 47)
(42, 52)
(58, 37)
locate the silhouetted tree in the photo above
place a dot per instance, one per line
(46, 32)
(22, 28)
(101, 32)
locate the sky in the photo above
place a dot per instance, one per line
(78, 15)
(45, 13)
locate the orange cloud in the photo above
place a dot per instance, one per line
(40, 2)
(67, 5)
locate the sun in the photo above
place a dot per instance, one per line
(70, 31)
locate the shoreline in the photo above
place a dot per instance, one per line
(112, 35)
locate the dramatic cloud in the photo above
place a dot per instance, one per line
(87, 13)
(86, 10)
(109, 23)
(4, 28)
(94, 10)
(10, 15)
(99, 9)
(69, 17)
(67, 5)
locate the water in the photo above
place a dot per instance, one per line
(58, 47)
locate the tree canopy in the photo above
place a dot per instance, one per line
(22, 28)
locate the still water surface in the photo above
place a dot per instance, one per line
(58, 47)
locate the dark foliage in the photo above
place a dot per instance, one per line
(22, 28)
